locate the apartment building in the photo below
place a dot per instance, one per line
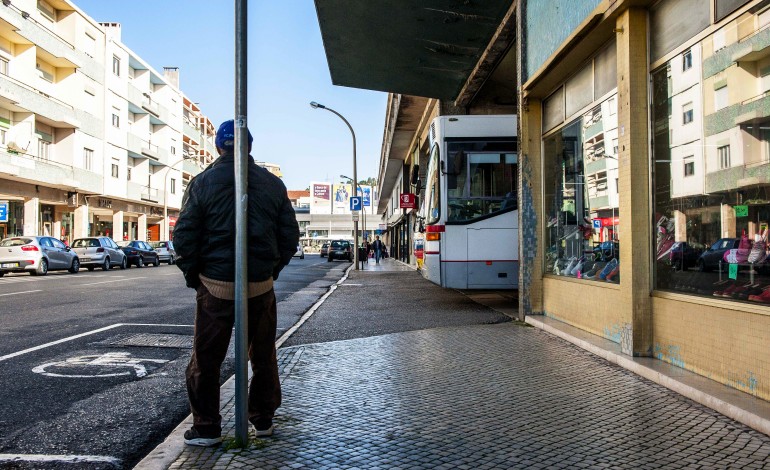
(92, 138)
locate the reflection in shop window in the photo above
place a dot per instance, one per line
(686, 61)
(710, 228)
(582, 217)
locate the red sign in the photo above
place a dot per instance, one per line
(406, 201)
(172, 221)
(610, 221)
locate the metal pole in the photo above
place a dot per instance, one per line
(355, 224)
(241, 212)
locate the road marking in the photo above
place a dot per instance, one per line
(111, 360)
(107, 282)
(87, 333)
(355, 285)
(59, 458)
(23, 292)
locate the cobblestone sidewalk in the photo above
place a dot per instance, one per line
(481, 397)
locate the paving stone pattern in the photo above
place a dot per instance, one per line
(480, 397)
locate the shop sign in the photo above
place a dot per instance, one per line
(609, 221)
(3, 211)
(156, 211)
(741, 211)
(172, 220)
(106, 203)
(406, 201)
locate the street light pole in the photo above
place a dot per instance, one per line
(315, 105)
(363, 207)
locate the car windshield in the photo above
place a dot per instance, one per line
(339, 244)
(124, 243)
(16, 241)
(158, 244)
(85, 243)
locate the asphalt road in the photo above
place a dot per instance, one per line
(92, 364)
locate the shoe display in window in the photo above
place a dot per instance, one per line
(608, 269)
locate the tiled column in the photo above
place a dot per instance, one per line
(32, 217)
(634, 172)
(117, 226)
(680, 226)
(530, 208)
(142, 229)
(80, 223)
(728, 220)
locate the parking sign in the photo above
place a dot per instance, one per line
(3, 211)
(355, 203)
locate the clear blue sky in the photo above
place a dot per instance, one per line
(287, 69)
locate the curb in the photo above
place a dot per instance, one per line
(168, 451)
(740, 406)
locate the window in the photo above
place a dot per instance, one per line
(88, 158)
(720, 98)
(128, 174)
(45, 71)
(115, 117)
(173, 150)
(432, 188)
(3, 66)
(43, 149)
(687, 61)
(173, 186)
(723, 154)
(115, 170)
(689, 166)
(687, 113)
(116, 66)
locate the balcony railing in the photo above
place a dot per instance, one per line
(150, 194)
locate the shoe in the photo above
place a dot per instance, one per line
(263, 427)
(608, 269)
(579, 266)
(612, 276)
(572, 263)
(193, 438)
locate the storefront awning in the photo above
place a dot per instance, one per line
(427, 48)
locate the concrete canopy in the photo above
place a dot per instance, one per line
(425, 48)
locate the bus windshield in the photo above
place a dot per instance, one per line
(481, 179)
(432, 189)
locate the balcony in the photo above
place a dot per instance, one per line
(743, 176)
(749, 110)
(50, 173)
(150, 150)
(151, 194)
(26, 32)
(135, 145)
(749, 49)
(190, 167)
(190, 131)
(22, 95)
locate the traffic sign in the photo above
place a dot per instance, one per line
(3, 211)
(355, 203)
(597, 223)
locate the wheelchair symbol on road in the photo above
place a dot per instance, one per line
(98, 365)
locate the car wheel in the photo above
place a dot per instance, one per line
(75, 266)
(90, 268)
(170, 260)
(106, 266)
(156, 263)
(140, 262)
(124, 263)
(42, 269)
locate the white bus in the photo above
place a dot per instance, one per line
(470, 210)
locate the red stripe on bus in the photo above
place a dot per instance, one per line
(432, 252)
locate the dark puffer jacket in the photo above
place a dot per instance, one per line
(204, 236)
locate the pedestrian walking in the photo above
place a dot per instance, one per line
(378, 248)
(204, 238)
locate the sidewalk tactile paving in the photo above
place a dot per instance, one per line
(489, 396)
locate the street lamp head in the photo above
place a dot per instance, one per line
(346, 177)
(315, 105)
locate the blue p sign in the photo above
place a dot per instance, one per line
(3, 211)
(355, 203)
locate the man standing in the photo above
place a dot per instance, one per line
(204, 238)
(377, 246)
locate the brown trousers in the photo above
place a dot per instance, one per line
(214, 319)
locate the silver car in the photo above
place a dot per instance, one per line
(165, 250)
(36, 255)
(99, 251)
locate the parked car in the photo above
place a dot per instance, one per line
(684, 255)
(300, 251)
(324, 250)
(139, 253)
(99, 251)
(710, 258)
(165, 251)
(36, 255)
(340, 249)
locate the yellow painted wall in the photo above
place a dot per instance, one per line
(729, 345)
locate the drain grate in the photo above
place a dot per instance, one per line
(150, 340)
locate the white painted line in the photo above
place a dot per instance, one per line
(22, 292)
(353, 285)
(59, 458)
(87, 333)
(107, 282)
(312, 310)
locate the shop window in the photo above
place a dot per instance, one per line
(710, 227)
(687, 61)
(582, 211)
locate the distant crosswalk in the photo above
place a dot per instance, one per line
(26, 278)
